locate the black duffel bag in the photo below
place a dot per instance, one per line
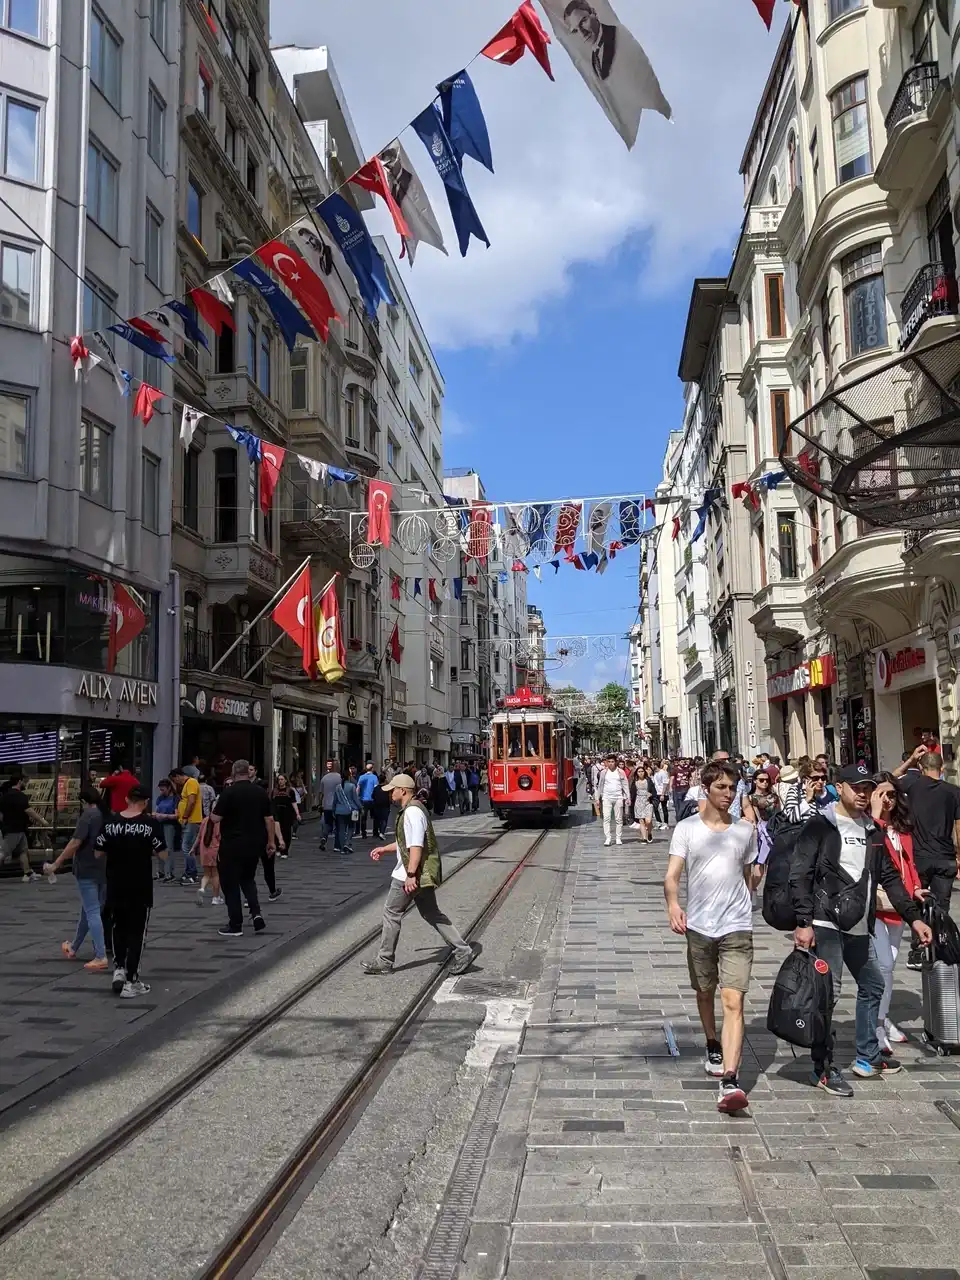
(802, 1000)
(946, 935)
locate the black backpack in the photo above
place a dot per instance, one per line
(777, 900)
(802, 1000)
(946, 935)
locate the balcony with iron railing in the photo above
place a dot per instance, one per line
(201, 649)
(931, 294)
(917, 112)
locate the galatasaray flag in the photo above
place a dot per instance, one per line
(293, 615)
(332, 657)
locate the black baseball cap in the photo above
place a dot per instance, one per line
(855, 774)
(138, 793)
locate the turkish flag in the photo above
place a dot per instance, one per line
(272, 457)
(373, 177)
(395, 588)
(145, 327)
(216, 313)
(765, 9)
(147, 397)
(676, 529)
(394, 647)
(127, 620)
(524, 31)
(479, 532)
(302, 281)
(294, 614)
(378, 512)
(432, 591)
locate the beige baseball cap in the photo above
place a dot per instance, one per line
(400, 780)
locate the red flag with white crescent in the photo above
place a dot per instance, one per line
(373, 177)
(127, 620)
(272, 457)
(394, 647)
(378, 512)
(302, 281)
(524, 31)
(294, 614)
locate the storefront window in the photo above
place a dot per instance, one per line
(62, 617)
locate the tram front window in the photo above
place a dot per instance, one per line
(532, 743)
(548, 742)
(514, 745)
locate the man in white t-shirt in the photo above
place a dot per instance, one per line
(718, 853)
(613, 796)
(661, 782)
(414, 881)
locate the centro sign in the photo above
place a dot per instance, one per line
(887, 665)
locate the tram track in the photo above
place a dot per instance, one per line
(46, 1192)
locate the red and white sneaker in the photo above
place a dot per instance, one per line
(732, 1097)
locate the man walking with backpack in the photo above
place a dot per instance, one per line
(718, 853)
(839, 860)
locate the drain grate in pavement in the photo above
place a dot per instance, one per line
(492, 988)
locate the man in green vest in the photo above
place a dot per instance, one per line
(414, 881)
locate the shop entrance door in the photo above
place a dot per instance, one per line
(919, 714)
(352, 750)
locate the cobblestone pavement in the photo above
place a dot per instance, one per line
(612, 1163)
(54, 1015)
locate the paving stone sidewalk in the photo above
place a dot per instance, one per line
(612, 1163)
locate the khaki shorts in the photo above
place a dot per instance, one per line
(720, 962)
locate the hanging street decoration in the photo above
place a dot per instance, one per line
(294, 615)
(272, 456)
(356, 244)
(463, 122)
(332, 657)
(430, 129)
(765, 9)
(303, 282)
(290, 320)
(379, 496)
(373, 177)
(412, 200)
(214, 310)
(523, 31)
(147, 397)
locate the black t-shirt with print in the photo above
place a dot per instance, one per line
(129, 845)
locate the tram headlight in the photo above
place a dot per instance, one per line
(525, 782)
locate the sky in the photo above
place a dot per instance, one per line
(560, 343)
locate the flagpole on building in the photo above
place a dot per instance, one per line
(318, 596)
(253, 622)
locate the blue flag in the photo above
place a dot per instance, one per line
(190, 326)
(288, 317)
(463, 120)
(417, 589)
(138, 339)
(772, 478)
(504, 579)
(353, 239)
(336, 473)
(590, 559)
(457, 588)
(629, 522)
(433, 135)
(253, 444)
(556, 565)
(709, 498)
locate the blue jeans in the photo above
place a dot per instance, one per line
(166, 866)
(344, 836)
(328, 826)
(92, 898)
(187, 840)
(855, 951)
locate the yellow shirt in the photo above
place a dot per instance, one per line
(190, 808)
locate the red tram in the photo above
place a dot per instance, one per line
(531, 768)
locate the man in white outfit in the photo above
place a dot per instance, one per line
(613, 794)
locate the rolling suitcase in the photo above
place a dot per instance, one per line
(941, 1007)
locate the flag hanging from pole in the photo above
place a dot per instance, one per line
(378, 512)
(353, 239)
(463, 120)
(127, 620)
(430, 129)
(271, 462)
(614, 67)
(524, 31)
(408, 193)
(294, 615)
(332, 659)
(303, 282)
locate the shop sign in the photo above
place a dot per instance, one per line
(888, 665)
(351, 708)
(398, 711)
(751, 705)
(299, 722)
(424, 738)
(954, 639)
(102, 688)
(818, 673)
(219, 705)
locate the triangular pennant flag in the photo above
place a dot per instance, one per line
(417, 589)
(651, 506)
(408, 192)
(109, 361)
(602, 566)
(675, 532)
(463, 120)
(143, 325)
(137, 339)
(429, 127)
(147, 397)
(253, 444)
(432, 591)
(83, 359)
(613, 66)
(302, 281)
(765, 9)
(168, 324)
(394, 588)
(372, 177)
(289, 318)
(394, 648)
(590, 559)
(353, 239)
(272, 461)
(191, 329)
(536, 570)
(519, 567)
(457, 588)
(332, 659)
(556, 565)
(294, 613)
(314, 469)
(219, 287)
(216, 313)
(577, 562)
(189, 422)
(523, 31)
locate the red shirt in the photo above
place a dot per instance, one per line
(118, 786)
(905, 865)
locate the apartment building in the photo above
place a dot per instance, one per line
(87, 166)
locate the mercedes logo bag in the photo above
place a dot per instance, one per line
(802, 1000)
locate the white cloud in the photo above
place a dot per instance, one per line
(454, 424)
(566, 190)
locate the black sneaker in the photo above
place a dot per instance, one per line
(713, 1062)
(915, 959)
(227, 932)
(831, 1080)
(259, 924)
(374, 968)
(323, 845)
(732, 1097)
(275, 895)
(889, 1066)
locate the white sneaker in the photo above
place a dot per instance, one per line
(217, 902)
(607, 841)
(635, 826)
(119, 981)
(619, 841)
(133, 989)
(894, 1034)
(30, 877)
(201, 896)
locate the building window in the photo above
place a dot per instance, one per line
(158, 22)
(265, 362)
(436, 674)
(150, 492)
(22, 16)
(252, 349)
(96, 457)
(393, 381)
(230, 141)
(225, 495)
(754, 430)
(106, 53)
(350, 428)
(14, 428)
(776, 325)
(837, 8)
(792, 173)
(780, 417)
(851, 130)
(156, 125)
(464, 613)
(226, 351)
(826, 332)
(815, 164)
(435, 462)
(103, 188)
(17, 266)
(153, 247)
(774, 190)
(922, 34)
(191, 489)
(415, 366)
(762, 555)
(228, 29)
(21, 139)
(748, 312)
(194, 210)
(718, 553)
(190, 617)
(787, 543)
(416, 423)
(298, 379)
(353, 612)
(465, 702)
(99, 307)
(813, 512)
(435, 408)
(464, 655)
(393, 453)
(205, 90)
(253, 82)
(864, 300)
(253, 175)
(496, 663)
